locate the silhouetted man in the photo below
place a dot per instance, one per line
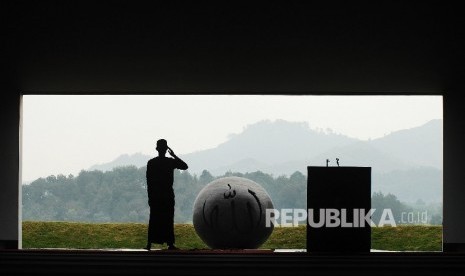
(161, 195)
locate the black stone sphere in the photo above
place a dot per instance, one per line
(229, 213)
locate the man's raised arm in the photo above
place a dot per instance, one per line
(180, 164)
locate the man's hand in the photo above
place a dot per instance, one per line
(179, 164)
(171, 152)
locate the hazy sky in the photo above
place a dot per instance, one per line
(64, 134)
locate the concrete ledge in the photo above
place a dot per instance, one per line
(9, 244)
(453, 247)
(74, 262)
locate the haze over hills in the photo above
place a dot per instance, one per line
(267, 146)
(136, 159)
(421, 145)
(282, 147)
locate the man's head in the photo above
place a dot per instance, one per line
(162, 146)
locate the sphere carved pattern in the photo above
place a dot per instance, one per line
(229, 213)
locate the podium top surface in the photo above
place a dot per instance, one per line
(340, 167)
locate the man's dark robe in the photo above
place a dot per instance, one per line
(159, 175)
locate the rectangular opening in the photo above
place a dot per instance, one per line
(84, 157)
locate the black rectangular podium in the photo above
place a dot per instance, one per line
(338, 188)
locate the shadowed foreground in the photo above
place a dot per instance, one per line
(81, 262)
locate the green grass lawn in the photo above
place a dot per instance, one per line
(407, 238)
(134, 235)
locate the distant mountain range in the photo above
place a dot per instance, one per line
(282, 147)
(136, 159)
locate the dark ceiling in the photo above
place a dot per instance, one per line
(186, 47)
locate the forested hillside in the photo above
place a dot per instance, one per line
(120, 195)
